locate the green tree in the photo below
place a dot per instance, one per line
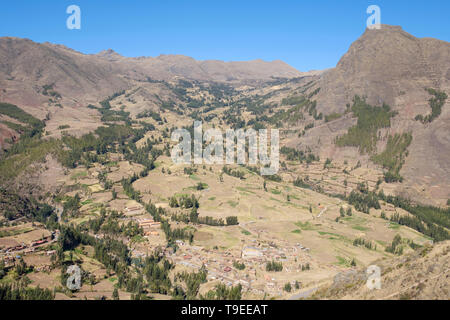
(173, 203)
(115, 294)
(349, 211)
(288, 287)
(232, 220)
(274, 266)
(239, 266)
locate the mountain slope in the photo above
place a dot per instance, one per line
(26, 66)
(421, 275)
(167, 67)
(393, 67)
(384, 65)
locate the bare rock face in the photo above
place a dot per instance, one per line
(347, 278)
(391, 66)
(386, 65)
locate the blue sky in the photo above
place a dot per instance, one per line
(306, 34)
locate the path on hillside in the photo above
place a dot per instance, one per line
(323, 210)
(412, 286)
(304, 294)
(326, 208)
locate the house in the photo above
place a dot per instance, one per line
(9, 259)
(251, 252)
(151, 233)
(134, 209)
(51, 252)
(244, 283)
(148, 224)
(270, 285)
(39, 242)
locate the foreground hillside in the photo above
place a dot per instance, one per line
(421, 275)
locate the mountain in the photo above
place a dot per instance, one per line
(387, 65)
(393, 67)
(27, 66)
(167, 67)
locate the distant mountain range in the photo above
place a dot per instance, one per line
(26, 64)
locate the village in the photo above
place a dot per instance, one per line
(33, 240)
(224, 265)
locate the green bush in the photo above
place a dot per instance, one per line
(364, 134)
(436, 103)
(239, 266)
(393, 157)
(332, 116)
